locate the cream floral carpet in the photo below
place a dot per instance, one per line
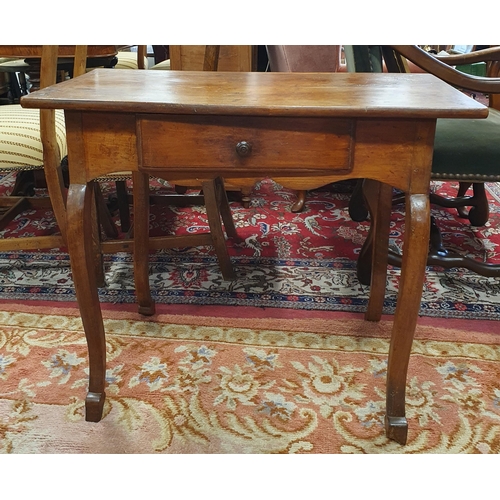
(256, 382)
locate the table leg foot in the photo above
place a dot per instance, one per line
(94, 403)
(396, 428)
(147, 310)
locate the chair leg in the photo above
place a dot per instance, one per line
(438, 256)
(123, 205)
(245, 197)
(357, 207)
(25, 184)
(299, 203)
(18, 206)
(103, 214)
(214, 221)
(225, 210)
(479, 212)
(180, 189)
(463, 187)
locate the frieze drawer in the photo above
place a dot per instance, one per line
(242, 143)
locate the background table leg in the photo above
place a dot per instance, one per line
(141, 243)
(379, 200)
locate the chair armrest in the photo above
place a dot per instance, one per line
(450, 75)
(484, 55)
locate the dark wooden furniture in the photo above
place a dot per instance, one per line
(98, 55)
(466, 151)
(245, 126)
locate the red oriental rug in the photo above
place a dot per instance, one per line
(289, 261)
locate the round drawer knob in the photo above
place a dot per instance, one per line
(243, 148)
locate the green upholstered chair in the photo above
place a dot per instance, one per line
(466, 151)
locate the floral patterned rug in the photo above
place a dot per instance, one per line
(180, 384)
(291, 261)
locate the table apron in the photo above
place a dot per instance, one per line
(300, 153)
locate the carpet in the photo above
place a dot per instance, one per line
(251, 383)
(303, 261)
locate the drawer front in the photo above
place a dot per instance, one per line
(241, 143)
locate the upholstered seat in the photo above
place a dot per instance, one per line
(13, 64)
(21, 144)
(453, 155)
(129, 60)
(163, 65)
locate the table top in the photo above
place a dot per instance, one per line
(259, 94)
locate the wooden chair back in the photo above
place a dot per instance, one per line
(231, 57)
(51, 158)
(48, 57)
(142, 53)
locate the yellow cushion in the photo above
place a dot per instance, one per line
(162, 65)
(13, 64)
(20, 143)
(128, 60)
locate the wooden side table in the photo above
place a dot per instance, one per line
(303, 130)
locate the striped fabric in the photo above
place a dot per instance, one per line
(162, 65)
(20, 143)
(128, 60)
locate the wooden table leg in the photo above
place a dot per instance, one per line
(79, 232)
(415, 247)
(141, 243)
(379, 200)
